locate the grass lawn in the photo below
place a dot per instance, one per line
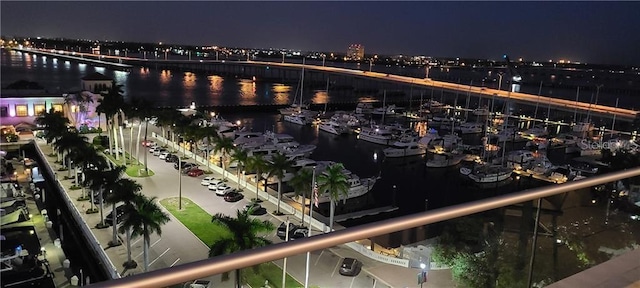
(199, 222)
(133, 170)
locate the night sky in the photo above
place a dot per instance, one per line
(593, 32)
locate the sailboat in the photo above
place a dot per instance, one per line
(302, 116)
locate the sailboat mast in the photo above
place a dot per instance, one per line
(302, 85)
(384, 105)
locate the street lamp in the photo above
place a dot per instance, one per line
(422, 278)
(370, 64)
(500, 82)
(165, 54)
(323, 58)
(179, 183)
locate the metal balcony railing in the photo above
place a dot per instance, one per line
(212, 266)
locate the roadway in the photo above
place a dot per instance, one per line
(178, 245)
(567, 105)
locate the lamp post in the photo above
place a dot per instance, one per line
(500, 82)
(165, 54)
(323, 58)
(282, 57)
(370, 64)
(312, 196)
(179, 183)
(422, 278)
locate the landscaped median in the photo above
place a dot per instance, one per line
(199, 223)
(133, 170)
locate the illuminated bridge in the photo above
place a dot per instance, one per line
(291, 71)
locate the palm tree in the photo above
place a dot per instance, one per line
(123, 190)
(68, 141)
(54, 123)
(105, 182)
(241, 156)
(110, 105)
(80, 100)
(143, 110)
(210, 133)
(144, 218)
(333, 182)
(279, 164)
(85, 156)
(244, 231)
(224, 145)
(302, 182)
(258, 164)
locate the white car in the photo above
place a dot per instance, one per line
(163, 155)
(158, 152)
(207, 180)
(213, 184)
(107, 151)
(154, 148)
(223, 189)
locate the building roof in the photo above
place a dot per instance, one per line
(95, 76)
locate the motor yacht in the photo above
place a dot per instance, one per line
(487, 173)
(385, 110)
(333, 127)
(442, 160)
(299, 118)
(471, 128)
(376, 134)
(404, 147)
(364, 108)
(536, 132)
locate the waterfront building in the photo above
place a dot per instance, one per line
(355, 52)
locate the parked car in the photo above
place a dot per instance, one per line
(233, 197)
(120, 213)
(350, 267)
(108, 151)
(300, 232)
(207, 180)
(255, 209)
(188, 167)
(153, 149)
(224, 189)
(157, 152)
(282, 229)
(198, 284)
(181, 165)
(213, 184)
(163, 155)
(171, 158)
(148, 143)
(195, 172)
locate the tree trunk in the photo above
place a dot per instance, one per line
(238, 283)
(138, 141)
(124, 157)
(303, 207)
(145, 251)
(92, 199)
(332, 211)
(109, 134)
(131, 145)
(146, 167)
(114, 224)
(129, 245)
(102, 208)
(257, 185)
(279, 195)
(115, 140)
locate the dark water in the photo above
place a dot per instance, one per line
(414, 184)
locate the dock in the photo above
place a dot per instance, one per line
(359, 214)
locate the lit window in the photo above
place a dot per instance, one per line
(22, 111)
(57, 107)
(39, 109)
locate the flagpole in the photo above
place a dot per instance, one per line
(314, 194)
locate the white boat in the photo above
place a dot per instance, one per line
(487, 173)
(536, 132)
(404, 147)
(386, 111)
(333, 127)
(364, 108)
(471, 128)
(299, 118)
(583, 127)
(481, 112)
(442, 160)
(519, 159)
(376, 134)
(294, 149)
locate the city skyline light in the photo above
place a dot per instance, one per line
(587, 32)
